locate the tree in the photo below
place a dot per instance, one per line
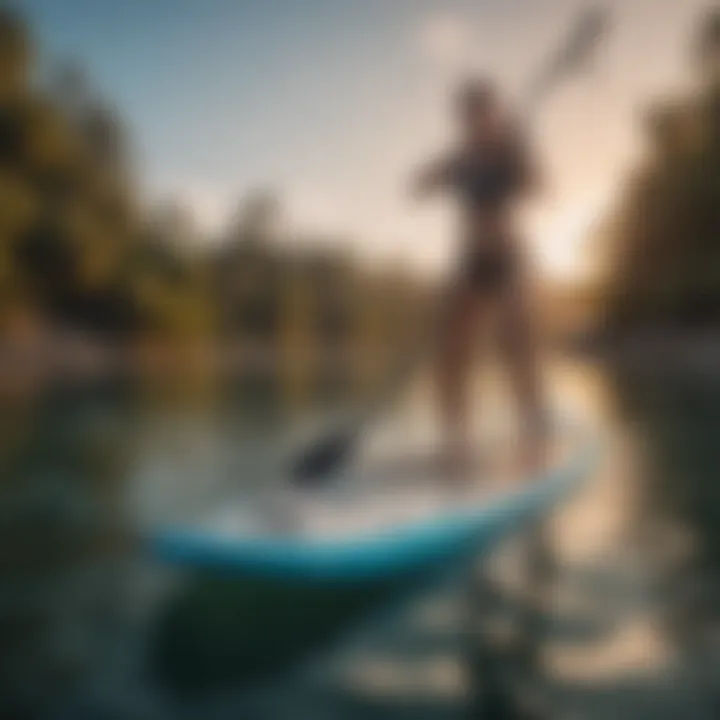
(664, 264)
(706, 47)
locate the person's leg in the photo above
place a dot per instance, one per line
(459, 332)
(519, 346)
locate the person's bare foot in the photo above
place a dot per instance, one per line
(535, 450)
(456, 461)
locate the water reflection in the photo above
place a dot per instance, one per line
(678, 426)
(61, 535)
(89, 626)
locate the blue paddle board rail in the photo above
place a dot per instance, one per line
(405, 550)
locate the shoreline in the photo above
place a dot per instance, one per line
(653, 351)
(697, 352)
(89, 358)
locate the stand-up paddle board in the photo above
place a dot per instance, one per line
(386, 519)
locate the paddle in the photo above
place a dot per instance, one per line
(325, 455)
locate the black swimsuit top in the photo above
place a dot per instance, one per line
(487, 180)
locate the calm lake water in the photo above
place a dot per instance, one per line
(90, 628)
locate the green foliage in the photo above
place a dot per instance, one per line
(706, 47)
(77, 251)
(665, 239)
(64, 227)
(15, 53)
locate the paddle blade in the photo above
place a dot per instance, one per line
(591, 28)
(323, 458)
(574, 55)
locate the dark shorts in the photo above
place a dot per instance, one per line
(487, 270)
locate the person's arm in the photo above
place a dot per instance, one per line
(431, 178)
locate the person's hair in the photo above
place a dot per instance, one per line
(476, 95)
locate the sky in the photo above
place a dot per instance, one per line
(332, 103)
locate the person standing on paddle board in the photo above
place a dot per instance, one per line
(490, 171)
